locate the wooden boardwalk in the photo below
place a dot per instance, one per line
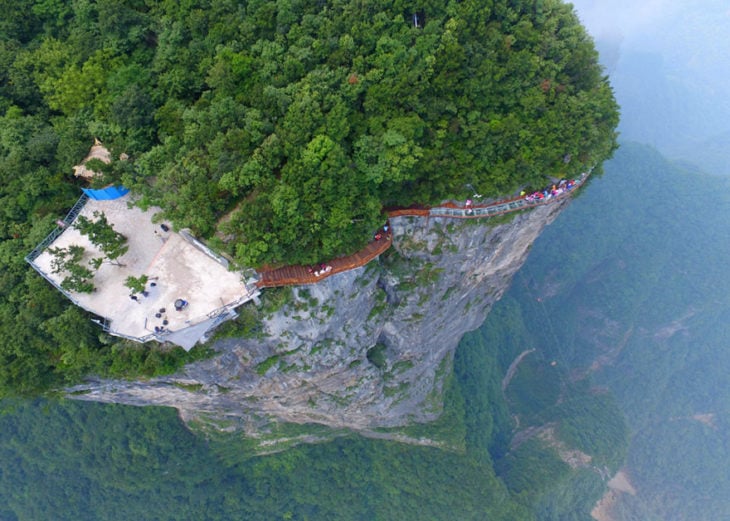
(300, 275)
(405, 212)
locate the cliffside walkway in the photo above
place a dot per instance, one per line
(301, 275)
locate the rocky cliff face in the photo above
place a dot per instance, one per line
(361, 350)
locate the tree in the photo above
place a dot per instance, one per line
(68, 260)
(220, 108)
(136, 284)
(103, 235)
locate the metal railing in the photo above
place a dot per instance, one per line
(53, 282)
(197, 243)
(242, 300)
(67, 221)
(502, 207)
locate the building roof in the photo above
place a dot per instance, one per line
(98, 151)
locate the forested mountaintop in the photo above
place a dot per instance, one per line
(286, 125)
(280, 127)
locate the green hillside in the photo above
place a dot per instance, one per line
(118, 463)
(299, 120)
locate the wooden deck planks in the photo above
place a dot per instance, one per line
(300, 275)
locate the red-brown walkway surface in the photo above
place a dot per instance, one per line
(299, 275)
(414, 212)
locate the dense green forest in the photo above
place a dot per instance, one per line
(119, 462)
(276, 130)
(287, 125)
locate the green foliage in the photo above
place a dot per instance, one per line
(136, 284)
(376, 356)
(68, 261)
(111, 461)
(593, 423)
(267, 364)
(545, 396)
(489, 424)
(102, 235)
(47, 342)
(246, 325)
(299, 121)
(531, 470)
(572, 499)
(381, 304)
(450, 428)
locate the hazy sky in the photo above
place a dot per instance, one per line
(689, 34)
(624, 17)
(669, 63)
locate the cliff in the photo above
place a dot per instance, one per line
(361, 350)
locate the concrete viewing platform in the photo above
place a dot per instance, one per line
(178, 267)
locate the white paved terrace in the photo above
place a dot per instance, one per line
(177, 267)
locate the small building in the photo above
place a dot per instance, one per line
(100, 152)
(97, 151)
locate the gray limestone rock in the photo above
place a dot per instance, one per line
(360, 350)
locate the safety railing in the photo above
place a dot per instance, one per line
(70, 217)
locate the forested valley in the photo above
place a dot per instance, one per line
(629, 292)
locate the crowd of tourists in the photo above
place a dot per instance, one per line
(557, 189)
(318, 272)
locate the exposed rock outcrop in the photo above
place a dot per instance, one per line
(364, 349)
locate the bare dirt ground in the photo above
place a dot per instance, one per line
(513, 368)
(619, 484)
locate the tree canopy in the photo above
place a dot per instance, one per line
(287, 125)
(279, 129)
